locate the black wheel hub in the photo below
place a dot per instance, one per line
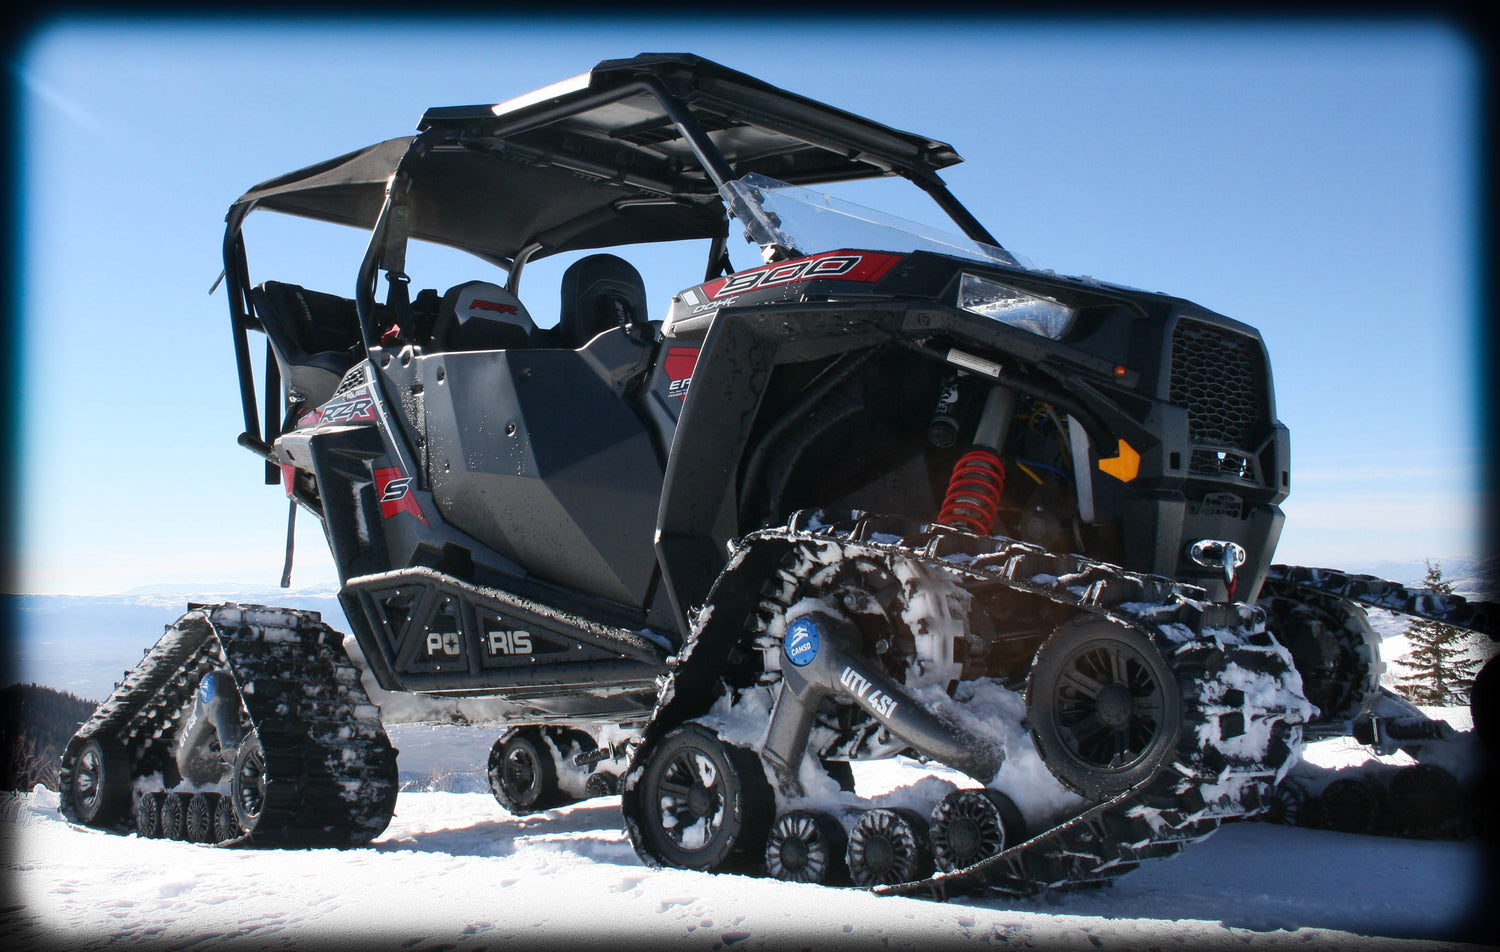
(520, 770)
(964, 839)
(1114, 705)
(1110, 705)
(689, 804)
(702, 801)
(794, 854)
(879, 854)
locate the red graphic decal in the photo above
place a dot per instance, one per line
(679, 366)
(394, 490)
(288, 474)
(479, 305)
(839, 265)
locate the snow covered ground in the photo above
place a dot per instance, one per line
(456, 871)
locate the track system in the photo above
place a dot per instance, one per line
(304, 761)
(1372, 592)
(1204, 712)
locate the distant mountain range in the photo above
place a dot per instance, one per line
(83, 644)
(1472, 577)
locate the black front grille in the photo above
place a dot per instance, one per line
(1219, 377)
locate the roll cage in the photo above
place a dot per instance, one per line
(635, 150)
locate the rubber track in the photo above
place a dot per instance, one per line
(331, 776)
(1455, 610)
(1202, 785)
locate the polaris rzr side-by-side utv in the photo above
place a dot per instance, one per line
(886, 492)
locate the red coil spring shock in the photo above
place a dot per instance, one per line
(974, 492)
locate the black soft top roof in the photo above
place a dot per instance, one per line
(598, 160)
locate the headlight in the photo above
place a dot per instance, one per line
(1030, 312)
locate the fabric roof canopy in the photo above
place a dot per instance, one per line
(598, 162)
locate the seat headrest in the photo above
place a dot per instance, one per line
(478, 315)
(600, 292)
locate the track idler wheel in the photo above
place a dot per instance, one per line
(148, 814)
(1104, 707)
(198, 823)
(226, 824)
(889, 846)
(173, 817)
(247, 783)
(1290, 804)
(807, 846)
(972, 825)
(601, 783)
(100, 790)
(523, 772)
(1355, 805)
(700, 803)
(1427, 801)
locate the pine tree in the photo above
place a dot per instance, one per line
(1440, 663)
(35, 725)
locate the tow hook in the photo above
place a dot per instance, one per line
(1219, 554)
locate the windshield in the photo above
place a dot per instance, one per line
(803, 222)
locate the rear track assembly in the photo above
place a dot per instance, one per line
(325, 774)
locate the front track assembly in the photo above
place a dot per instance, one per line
(297, 758)
(1320, 615)
(1219, 698)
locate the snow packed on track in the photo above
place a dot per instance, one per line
(456, 871)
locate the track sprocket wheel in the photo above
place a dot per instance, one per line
(1333, 646)
(1105, 708)
(247, 783)
(523, 772)
(807, 846)
(99, 791)
(971, 825)
(699, 803)
(887, 846)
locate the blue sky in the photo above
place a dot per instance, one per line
(1317, 180)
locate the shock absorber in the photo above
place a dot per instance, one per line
(974, 492)
(942, 430)
(974, 489)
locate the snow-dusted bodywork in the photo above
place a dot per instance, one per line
(888, 491)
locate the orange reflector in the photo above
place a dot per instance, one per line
(1119, 370)
(1126, 464)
